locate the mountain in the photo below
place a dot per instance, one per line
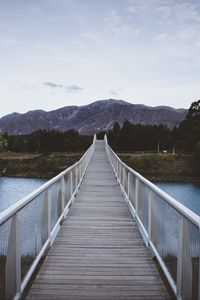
(88, 119)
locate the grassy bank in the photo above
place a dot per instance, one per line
(35, 165)
(163, 167)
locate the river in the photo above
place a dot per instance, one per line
(186, 193)
(165, 232)
(13, 189)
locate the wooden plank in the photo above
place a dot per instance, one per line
(98, 253)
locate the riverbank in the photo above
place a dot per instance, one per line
(163, 167)
(35, 165)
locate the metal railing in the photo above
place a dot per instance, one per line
(170, 229)
(29, 227)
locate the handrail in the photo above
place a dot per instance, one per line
(145, 210)
(68, 183)
(17, 206)
(188, 213)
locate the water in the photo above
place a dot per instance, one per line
(13, 189)
(166, 231)
(186, 193)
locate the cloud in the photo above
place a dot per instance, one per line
(8, 41)
(53, 85)
(113, 19)
(73, 88)
(161, 37)
(112, 92)
(118, 26)
(27, 86)
(93, 36)
(165, 14)
(136, 8)
(14, 30)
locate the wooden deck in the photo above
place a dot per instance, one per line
(99, 253)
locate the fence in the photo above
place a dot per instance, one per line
(29, 227)
(171, 230)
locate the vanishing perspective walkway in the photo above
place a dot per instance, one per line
(99, 252)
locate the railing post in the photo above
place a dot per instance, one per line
(136, 195)
(46, 217)
(128, 188)
(123, 181)
(79, 173)
(71, 182)
(117, 170)
(49, 214)
(76, 176)
(94, 139)
(199, 274)
(13, 261)
(120, 174)
(150, 199)
(81, 169)
(184, 263)
(63, 193)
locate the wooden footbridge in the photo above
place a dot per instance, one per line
(101, 234)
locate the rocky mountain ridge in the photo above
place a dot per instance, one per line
(91, 118)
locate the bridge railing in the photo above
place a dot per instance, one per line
(29, 227)
(170, 229)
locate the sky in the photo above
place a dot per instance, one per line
(55, 53)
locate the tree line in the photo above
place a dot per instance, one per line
(157, 138)
(45, 141)
(129, 137)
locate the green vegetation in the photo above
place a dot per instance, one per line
(184, 138)
(163, 167)
(3, 143)
(35, 165)
(46, 153)
(44, 141)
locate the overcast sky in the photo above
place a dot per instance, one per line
(55, 53)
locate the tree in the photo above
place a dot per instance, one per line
(189, 129)
(197, 157)
(116, 128)
(100, 135)
(3, 143)
(194, 111)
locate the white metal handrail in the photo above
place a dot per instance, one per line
(134, 186)
(68, 182)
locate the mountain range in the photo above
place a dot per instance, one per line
(91, 118)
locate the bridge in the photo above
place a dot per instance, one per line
(99, 230)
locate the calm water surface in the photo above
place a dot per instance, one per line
(13, 189)
(187, 193)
